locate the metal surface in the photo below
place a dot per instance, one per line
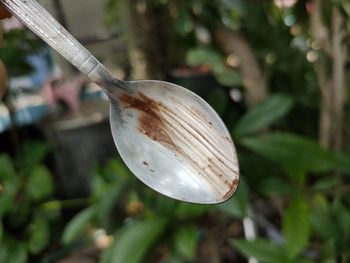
(174, 142)
(170, 138)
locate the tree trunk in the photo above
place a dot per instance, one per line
(325, 106)
(148, 28)
(338, 78)
(332, 85)
(253, 80)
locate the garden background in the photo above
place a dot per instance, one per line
(277, 72)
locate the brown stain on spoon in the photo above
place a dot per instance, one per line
(150, 121)
(153, 125)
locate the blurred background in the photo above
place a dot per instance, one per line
(277, 72)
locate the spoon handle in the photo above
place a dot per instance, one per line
(36, 18)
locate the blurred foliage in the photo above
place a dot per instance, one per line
(267, 112)
(17, 44)
(25, 185)
(214, 61)
(135, 217)
(293, 190)
(301, 159)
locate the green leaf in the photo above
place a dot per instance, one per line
(343, 163)
(5, 204)
(205, 56)
(77, 225)
(107, 202)
(9, 183)
(4, 250)
(190, 211)
(7, 171)
(331, 222)
(237, 206)
(34, 152)
(210, 57)
(1, 231)
(12, 251)
(262, 249)
(183, 22)
(134, 241)
(17, 253)
(98, 186)
(116, 171)
(321, 218)
(218, 100)
(40, 183)
(296, 226)
(227, 77)
(296, 154)
(328, 251)
(186, 241)
(112, 16)
(39, 232)
(264, 114)
(9, 191)
(325, 183)
(20, 212)
(342, 220)
(163, 206)
(275, 186)
(302, 259)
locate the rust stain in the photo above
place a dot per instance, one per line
(150, 121)
(232, 189)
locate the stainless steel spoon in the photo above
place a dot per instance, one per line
(170, 138)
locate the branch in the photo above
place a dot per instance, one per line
(318, 29)
(338, 75)
(253, 79)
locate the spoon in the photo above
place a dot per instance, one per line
(169, 137)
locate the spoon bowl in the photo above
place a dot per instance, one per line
(173, 141)
(170, 138)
